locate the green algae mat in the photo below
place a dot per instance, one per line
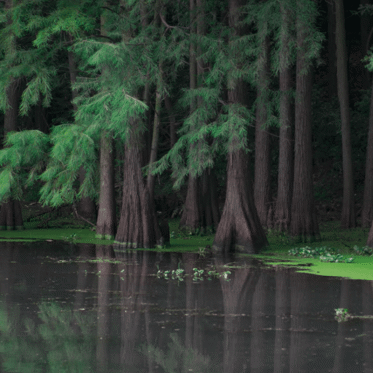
(360, 269)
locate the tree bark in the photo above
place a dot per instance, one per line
(106, 216)
(370, 236)
(332, 58)
(262, 180)
(304, 224)
(366, 42)
(190, 218)
(155, 137)
(106, 219)
(348, 219)
(239, 228)
(138, 225)
(367, 211)
(286, 160)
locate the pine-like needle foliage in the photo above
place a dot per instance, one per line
(73, 148)
(21, 161)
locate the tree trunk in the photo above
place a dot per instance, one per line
(304, 224)
(262, 180)
(239, 226)
(171, 115)
(190, 218)
(286, 161)
(86, 206)
(155, 137)
(106, 219)
(138, 225)
(332, 67)
(370, 237)
(11, 213)
(366, 42)
(348, 219)
(367, 212)
(210, 214)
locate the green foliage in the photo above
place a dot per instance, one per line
(364, 250)
(325, 254)
(73, 148)
(21, 161)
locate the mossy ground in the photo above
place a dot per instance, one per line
(274, 255)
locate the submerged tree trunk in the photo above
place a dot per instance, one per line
(138, 225)
(348, 219)
(285, 163)
(304, 224)
(367, 212)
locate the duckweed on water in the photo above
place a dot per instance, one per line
(325, 254)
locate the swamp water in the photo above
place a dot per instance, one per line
(86, 308)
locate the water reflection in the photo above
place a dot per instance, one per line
(86, 308)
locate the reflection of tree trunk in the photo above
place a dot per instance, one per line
(282, 338)
(7, 276)
(367, 296)
(340, 353)
(299, 338)
(103, 301)
(189, 263)
(260, 350)
(193, 335)
(133, 287)
(237, 295)
(86, 251)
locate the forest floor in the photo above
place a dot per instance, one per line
(334, 255)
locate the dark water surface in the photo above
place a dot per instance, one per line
(86, 308)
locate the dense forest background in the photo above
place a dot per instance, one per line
(236, 116)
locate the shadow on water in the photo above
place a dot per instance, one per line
(87, 308)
